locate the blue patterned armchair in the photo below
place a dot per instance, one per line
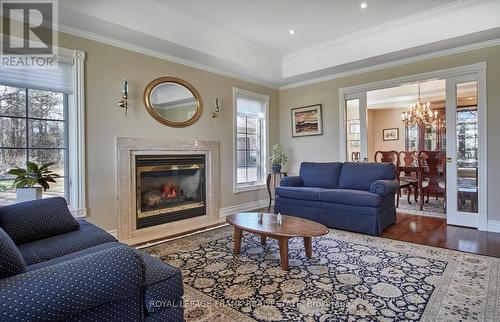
(53, 267)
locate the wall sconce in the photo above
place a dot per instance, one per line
(123, 103)
(216, 112)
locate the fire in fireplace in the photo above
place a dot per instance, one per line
(169, 188)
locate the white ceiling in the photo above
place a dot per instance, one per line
(266, 22)
(249, 39)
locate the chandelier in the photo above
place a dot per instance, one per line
(419, 113)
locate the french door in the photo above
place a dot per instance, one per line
(354, 121)
(465, 168)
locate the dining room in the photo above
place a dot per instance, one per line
(408, 125)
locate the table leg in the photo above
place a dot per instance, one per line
(308, 246)
(237, 240)
(263, 239)
(283, 243)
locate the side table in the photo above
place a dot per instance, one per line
(272, 179)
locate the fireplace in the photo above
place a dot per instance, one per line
(169, 188)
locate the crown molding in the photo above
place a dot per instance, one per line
(405, 61)
(432, 27)
(157, 54)
(381, 27)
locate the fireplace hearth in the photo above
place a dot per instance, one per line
(169, 188)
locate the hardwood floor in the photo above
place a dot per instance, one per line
(435, 232)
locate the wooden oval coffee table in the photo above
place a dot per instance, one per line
(269, 227)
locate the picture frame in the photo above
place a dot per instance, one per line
(391, 134)
(307, 120)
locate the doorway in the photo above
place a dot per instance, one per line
(447, 172)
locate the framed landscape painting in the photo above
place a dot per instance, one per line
(307, 121)
(390, 134)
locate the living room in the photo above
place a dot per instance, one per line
(199, 165)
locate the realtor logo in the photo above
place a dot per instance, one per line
(29, 37)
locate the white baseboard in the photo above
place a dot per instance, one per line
(494, 226)
(224, 212)
(113, 233)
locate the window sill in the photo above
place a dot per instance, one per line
(244, 188)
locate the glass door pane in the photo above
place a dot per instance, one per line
(354, 136)
(463, 180)
(467, 147)
(353, 130)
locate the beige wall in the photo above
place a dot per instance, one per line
(378, 120)
(326, 147)
(105, 68)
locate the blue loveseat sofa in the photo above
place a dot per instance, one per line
(358, 197)
(56, 268)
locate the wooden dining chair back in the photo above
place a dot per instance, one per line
(387, 156)
(432, 174)
(355, 156)
(409, 158)
(408, 173)
(391, 157)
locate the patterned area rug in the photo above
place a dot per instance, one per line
(352, 277)
(434, 208)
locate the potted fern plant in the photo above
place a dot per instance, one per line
(278, 157)
(29, 182)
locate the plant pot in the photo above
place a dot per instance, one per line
(28, 194)
(276, 168)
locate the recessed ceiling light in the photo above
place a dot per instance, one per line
(363, 5)
(291, 32)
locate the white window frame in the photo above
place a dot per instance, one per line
(237, 188)
(76, 132)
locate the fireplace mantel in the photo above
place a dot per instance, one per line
(126, 149)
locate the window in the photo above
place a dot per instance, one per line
(250, 137)
(33, 127)
(42, 120)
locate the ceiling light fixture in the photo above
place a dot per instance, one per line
(291, 32)
(363, 5)
(419, 113)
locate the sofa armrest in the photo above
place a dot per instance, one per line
(291, 181)
(385, 187)
(70, 289)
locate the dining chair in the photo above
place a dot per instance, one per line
(409, 179)
(432, 175)
(392, 157)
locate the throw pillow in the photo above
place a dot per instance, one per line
(11, 260)
(37, 219)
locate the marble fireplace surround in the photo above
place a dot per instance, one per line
(127, 148)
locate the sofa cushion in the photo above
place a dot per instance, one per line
(361, 175)
(37, 219)
(302, 193)
(351, 197)
(321, 175)
(163, 285)
(45, 249)
(11, 260)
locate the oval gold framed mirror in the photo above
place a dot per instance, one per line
(173, 102)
